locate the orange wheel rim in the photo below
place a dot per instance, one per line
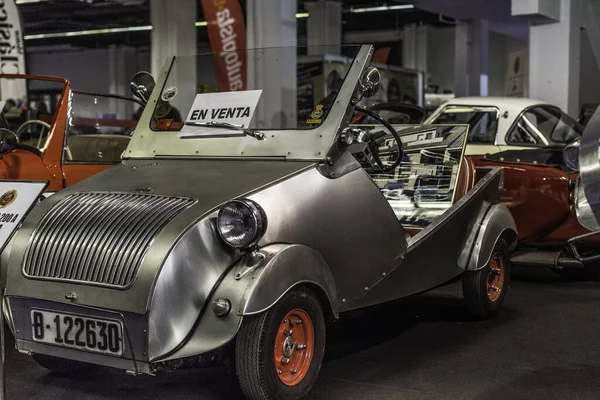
(294, 347)
(495, 279)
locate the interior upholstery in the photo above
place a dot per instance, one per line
(465, 182)
(96, 148)
(466, 178)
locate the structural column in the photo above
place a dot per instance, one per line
(554, 57)
(324, 27)
(174, 34)
(272, 23)
(122, 65)
(471, 58)
(414, 47)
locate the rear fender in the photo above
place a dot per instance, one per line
(284, 267)
(496, 224)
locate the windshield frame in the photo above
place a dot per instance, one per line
(291, 144)
(56, 124)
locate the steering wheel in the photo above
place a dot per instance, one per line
(11, 132)
(374, 146)
(32, 122)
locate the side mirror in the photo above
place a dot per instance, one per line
(142, 85)
(370, 82)
(571, 155)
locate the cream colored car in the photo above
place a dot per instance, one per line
(507, 123)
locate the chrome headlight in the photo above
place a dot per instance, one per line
(241, 223)
(571, 155)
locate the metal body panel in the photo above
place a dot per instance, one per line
(585, 214)
(497, 223)
(98, 238)
(589, 167)
(283, 267)
(433, 254)
(537, 196)
(134, 333)
(185, 178)
(188, 277)
(287, 266)
(341, 219)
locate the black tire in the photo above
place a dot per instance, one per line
(61, 366)
(481, 303)
(256, 343)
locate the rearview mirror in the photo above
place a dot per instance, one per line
(142, 85)
(370, 82)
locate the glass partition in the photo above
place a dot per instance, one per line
(423, 185)
(100, 127)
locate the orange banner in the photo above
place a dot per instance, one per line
(227, 35)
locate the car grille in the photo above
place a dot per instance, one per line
(98, 238)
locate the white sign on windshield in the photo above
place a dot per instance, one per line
(234, 108)
(16, 199)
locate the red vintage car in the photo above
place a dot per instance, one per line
(62, 135)
(540, 192)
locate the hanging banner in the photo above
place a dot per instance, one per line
(227, 35)
(381, 55)
(12, 52)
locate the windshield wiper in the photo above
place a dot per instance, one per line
(214, 124)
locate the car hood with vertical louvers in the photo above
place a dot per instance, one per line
(116, 228)
(98, 238)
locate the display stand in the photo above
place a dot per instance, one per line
(17, 198)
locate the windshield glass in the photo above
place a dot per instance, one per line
(29, 118)
(272, 88)
(482, 121)
(544, 126)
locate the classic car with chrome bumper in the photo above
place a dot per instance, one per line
(215, 241)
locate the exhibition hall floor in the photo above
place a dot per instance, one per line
(544, 344)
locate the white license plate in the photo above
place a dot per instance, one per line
(68, 330)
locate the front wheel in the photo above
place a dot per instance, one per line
(279, 352)
(484, 290)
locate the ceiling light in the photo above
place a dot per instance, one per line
(88, 32)
(107, 30)
(382, 8)
(298, 15)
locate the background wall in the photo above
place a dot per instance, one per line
(96, 70)
(440, 57)
(589, 88)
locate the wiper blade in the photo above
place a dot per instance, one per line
(214, 124)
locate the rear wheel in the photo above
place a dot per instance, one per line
(484, 290)
(279, 352)
(61, 366)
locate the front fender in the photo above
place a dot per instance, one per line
(497, 223)
(288, 265)
(251, 286)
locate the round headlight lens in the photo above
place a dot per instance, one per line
(571, 155)
(241, 223)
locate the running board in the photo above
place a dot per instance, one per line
(555, 259)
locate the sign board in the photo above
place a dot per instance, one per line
(235, 108)
(12, 53)
(516, 80)
(16, 200)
